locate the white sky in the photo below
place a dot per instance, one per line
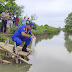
(51, 12)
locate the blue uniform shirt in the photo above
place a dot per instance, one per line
(23, 28)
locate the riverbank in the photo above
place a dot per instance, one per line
(39, 31)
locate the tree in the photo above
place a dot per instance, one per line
(11, 6)
(68, 21)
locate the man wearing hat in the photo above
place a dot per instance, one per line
(23, 34)
(27, 21)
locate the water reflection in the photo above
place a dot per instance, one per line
(44, 38)
(14, 68)
(68, 42)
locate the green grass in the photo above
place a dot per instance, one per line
(39, 30)
(48, 29)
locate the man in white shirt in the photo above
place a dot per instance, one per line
(10, 21)
(24, 21)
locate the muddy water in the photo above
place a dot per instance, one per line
(49, 55)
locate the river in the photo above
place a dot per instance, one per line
(49, 55)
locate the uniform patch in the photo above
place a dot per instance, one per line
(24, 28)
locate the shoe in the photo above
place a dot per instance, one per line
(24, 48)
(14, 49)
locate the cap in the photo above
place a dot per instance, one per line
(32, 25)
(27, 18)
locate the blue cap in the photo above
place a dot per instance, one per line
(32, 24)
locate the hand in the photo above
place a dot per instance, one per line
(32, 37)
(12, 19)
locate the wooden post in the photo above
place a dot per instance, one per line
(16, 51)
(7, 42)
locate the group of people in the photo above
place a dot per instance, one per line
(25, 22)
(8, 18)
(22, 34)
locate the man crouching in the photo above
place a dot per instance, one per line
(23, 34)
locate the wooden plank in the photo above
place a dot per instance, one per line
(5, 61)
(9, 49)
(6, 56)
(2, 49)
(25, 61)
(24, 53)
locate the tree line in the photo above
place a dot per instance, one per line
(11, 6)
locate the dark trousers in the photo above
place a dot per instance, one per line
(4, 23)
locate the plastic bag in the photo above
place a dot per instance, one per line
(33, 43)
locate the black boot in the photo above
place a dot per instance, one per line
(24, 48)
(14, 49)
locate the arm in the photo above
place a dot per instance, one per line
(9, 19)
(1, 18)
(14, 19)
(32, 35)
(25, 35)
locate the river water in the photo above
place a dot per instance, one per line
(49, 55)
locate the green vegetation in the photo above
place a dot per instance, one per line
(14, 8)
(68, 21)
(45, 29)
(11, 6)
(39, 30)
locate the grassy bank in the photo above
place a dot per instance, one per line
(39, 32)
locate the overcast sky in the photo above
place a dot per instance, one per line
(51, 12)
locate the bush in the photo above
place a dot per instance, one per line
(40, 30)
(68, 21)
(2, 38)
(12, 30)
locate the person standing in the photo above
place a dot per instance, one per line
(4, 16)
(17, 21)
(27, 21)
(13, 19)
(10, 21)
(24, 21)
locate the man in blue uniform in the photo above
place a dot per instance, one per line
(23, 34)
